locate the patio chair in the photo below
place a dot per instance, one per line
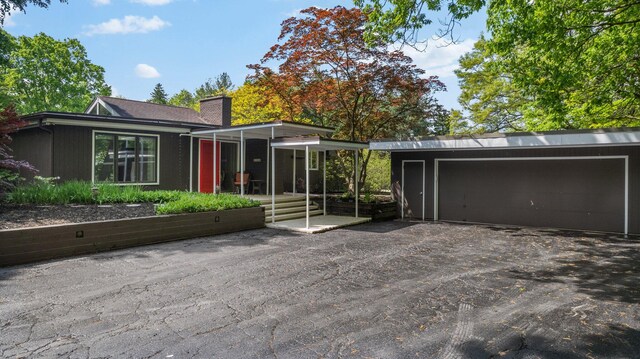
(241, 180)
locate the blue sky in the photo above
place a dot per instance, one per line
(181, 43)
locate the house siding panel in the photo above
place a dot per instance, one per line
(34, 146)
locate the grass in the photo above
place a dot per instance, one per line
(45, 192)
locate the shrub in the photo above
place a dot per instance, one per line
(198, 202)
(44, 191)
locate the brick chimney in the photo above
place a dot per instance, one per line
(216, 110)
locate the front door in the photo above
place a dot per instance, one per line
(206, 166)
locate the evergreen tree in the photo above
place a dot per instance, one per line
(158, 95)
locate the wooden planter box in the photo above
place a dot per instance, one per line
(26, 245)
(378, 211)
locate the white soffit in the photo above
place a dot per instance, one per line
(514, 141)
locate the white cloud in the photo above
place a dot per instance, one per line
(101, 2)
(8, 21)
(127, 25)
(146, 71)
(152, 2)
(439, 58)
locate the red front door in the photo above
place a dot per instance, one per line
(206, 166)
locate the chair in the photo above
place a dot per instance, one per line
(241, 180)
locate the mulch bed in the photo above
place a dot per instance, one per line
(23, 216)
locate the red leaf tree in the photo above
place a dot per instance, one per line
(10, 167)
(326, 72)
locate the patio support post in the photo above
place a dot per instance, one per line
(241, 163)
(273, 183)
(324, 183)
(293, 190)
(355, 164)
(269, 158)
(190, 163)
(306, 181)
(215, 163)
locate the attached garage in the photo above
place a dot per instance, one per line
(585, 180)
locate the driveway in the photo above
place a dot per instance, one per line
(385, 290)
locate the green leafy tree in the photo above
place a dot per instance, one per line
(9, 6)
(488, 94)
(44, 74)
(158, 95)
(401, 20)
(253, 103)
(221, 85)
(184, 98)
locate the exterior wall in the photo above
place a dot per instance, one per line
(34, 145)
(429, 157)
(72, 149)
(284, 167)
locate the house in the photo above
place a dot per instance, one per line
(584, 179)
(159, 146)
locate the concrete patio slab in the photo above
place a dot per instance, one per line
(318, 224)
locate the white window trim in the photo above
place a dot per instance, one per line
(93, 157)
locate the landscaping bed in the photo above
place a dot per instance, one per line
(22, 216)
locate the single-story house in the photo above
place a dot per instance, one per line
(584, 179)
(163, 147)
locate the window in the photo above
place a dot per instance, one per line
(313, 160)
(125, 158)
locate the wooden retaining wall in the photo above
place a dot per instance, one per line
(378, 211)
(18, 246)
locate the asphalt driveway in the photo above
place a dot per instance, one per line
(376, 290)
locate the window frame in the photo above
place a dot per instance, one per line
(116, 133)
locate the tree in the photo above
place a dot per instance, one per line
(577, 61)
(158, 95)
(221, 85)
(9, 167)
(253, 103)
(184, 98)
(401, 20)
(44, 74)
(488, 94)
(8, 6)
(328, 74)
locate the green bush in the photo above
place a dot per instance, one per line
(44, 191)
(198, 202)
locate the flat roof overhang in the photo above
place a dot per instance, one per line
(264, 130)
(507, 141)
(317, 143)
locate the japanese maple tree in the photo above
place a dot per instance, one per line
(323, 70)
(10, 167)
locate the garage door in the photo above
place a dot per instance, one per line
(572, 193)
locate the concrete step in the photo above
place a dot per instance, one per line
(284, 217)
(295, 209)
(284, 204)
(282, 199)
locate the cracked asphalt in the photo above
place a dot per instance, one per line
(381, 290)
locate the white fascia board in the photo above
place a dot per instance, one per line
(120, 126)
(512, 142)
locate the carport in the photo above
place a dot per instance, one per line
(322, 145)
(586, 179)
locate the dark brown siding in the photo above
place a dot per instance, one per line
(34, 146)
(72, 155)
(634, 172)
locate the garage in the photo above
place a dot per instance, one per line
(582, 180)
(575, 193)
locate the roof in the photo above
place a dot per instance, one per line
(265, 130)
(513, 140)
(82, 119)
(147, 110)
(317, 143)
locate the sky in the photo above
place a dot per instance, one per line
(182, 43)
